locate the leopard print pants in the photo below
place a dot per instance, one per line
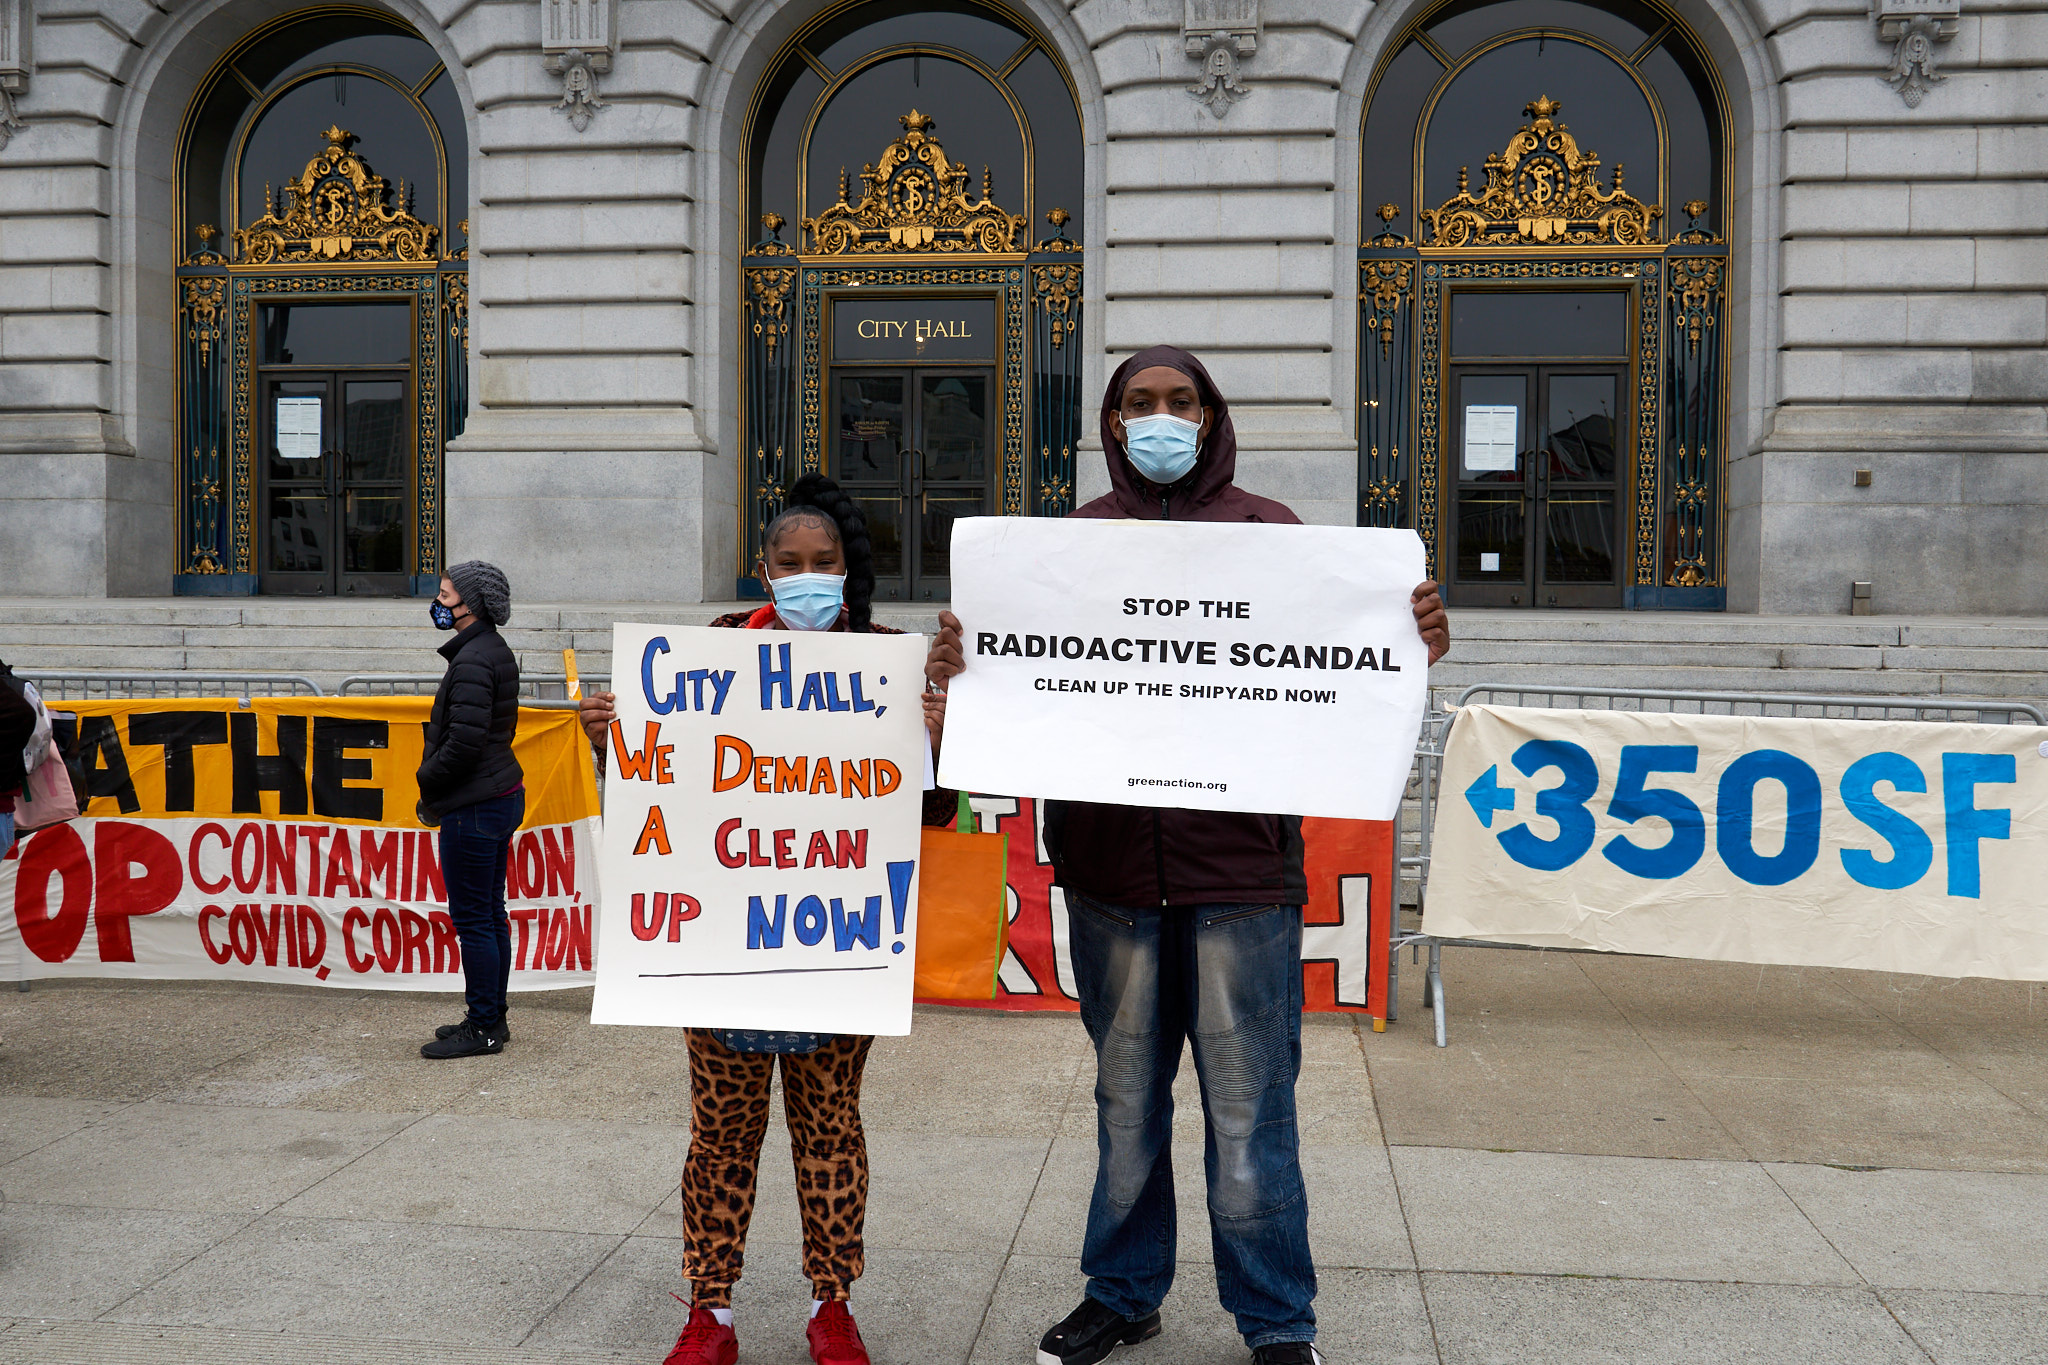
(729, 1119)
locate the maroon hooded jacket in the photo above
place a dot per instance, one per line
(1129, 855)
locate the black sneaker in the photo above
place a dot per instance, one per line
(1287, 1353)
(448, 1030)
(1091, 1332)
(466, 1041)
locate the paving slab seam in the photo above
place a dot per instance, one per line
(1010, 1251)
(1840, 981)
(1663, 1061)
(1448, 1271)
(151, 1283)
(1407, 1227)
(430, 1222)
(1834, 981)
(75, 1342)
(120, 1107)
(1820, 1232)
(1906, 1028)
(556, 1306)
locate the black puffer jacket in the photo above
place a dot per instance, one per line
(476, 713)
(17, 727)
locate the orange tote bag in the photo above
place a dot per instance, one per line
(962, 924)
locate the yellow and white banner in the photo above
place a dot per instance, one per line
(1890, 845)
(275, 839)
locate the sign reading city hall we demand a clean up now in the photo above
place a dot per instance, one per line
(1217, 666)
(762, 829)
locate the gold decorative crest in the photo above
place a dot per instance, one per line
(914, 199)
(1543, 191)
(336, 211)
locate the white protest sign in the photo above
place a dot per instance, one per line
(1889, 845)
(762, 825)
(1217, 666)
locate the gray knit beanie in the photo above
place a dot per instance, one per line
(484, 589)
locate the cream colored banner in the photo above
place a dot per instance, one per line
(1889, 845)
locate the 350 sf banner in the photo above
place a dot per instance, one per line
(275, 839)
(1896, 846)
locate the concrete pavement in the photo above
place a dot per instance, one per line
(1616, 1160)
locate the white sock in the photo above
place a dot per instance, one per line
(724, 1316)
(816, 1304)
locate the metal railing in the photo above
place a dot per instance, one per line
(92, 684)
(1436, 731)
(533, 687)
(1817, 705)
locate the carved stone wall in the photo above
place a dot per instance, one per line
(1889, 280)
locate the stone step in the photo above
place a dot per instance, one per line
(1449, 679)
(329, 640)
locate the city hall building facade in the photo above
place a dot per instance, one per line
(1704, 305)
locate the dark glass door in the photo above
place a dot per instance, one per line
(1534, 460)
(335, 494)
(915, 447)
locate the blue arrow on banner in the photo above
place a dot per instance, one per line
(1487, 795)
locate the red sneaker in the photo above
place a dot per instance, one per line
(706, 1341)
(833, 1337)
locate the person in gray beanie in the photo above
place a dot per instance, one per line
(484, 588)
(472, 787)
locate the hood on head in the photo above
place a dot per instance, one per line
(1215, 463)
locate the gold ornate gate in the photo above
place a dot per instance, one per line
(337, 232)
(915, 232)
(1544, 220)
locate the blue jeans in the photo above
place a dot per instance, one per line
(6, 832)
(1227, 978)
(475, 842)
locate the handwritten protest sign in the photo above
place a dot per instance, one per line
(1215, 666)
(761, 838)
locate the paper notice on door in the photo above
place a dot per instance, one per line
(1490, 432)
(298, 428)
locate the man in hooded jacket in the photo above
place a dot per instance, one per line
(1186, 924)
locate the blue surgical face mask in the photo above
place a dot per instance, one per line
(444, 616)
(1162, 447)
(809, 601)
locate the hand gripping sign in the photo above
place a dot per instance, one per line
(762, 823)
(1888, 845)
(1212, 666)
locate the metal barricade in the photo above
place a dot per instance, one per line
(1436, 730)
(533, 687)
(96, 684)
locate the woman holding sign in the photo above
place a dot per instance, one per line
(819, 571)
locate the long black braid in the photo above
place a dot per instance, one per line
(816, 500)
